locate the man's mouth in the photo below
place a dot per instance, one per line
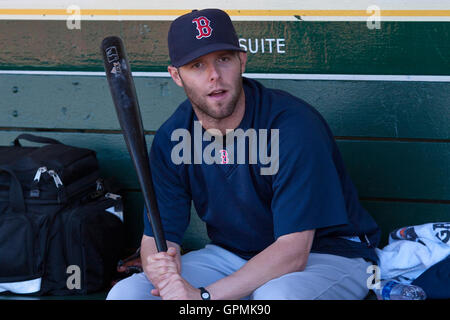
(217, 93)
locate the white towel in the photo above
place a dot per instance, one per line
(412, 250)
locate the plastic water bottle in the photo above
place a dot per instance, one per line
(394, 290)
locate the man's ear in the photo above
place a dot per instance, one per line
(174, 73)
(243, 59)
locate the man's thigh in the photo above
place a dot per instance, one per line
(134, 287)
(200, 268)
(326, 277)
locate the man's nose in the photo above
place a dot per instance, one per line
(213, 72)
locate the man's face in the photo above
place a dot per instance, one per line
(213, 82)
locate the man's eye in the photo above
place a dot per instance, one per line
(224, 59)
(196, 65)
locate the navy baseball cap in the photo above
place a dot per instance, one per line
(200, 32)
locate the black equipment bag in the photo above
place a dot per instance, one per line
(23, 243)
(51, 175)
(60, 231)
(89, 244)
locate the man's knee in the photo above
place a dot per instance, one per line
(280, 289)
(135, 287)
(117, 292)
(303, 286)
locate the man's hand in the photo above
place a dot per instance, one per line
(174, 287)
(164, 271)
(160, 266)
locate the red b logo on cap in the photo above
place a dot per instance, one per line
(203, 27)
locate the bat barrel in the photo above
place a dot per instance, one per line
(123, 92)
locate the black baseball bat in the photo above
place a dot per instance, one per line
(123, 92)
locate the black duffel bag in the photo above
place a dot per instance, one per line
(24, 239)
(51, 176)
(60, 231)
(87, 243)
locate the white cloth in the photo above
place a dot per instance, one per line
(413, 249)
(27, 286)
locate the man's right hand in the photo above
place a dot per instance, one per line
(159, 265)
(162, 265)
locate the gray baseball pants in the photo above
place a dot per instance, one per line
(326, 277)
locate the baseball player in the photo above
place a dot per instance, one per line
(289, 229)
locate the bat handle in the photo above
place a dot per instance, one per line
(161, 246)
(161, 243)
(154, 219)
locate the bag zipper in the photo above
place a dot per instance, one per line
(39, 172)
(113, 196)
(56, 178)
(35, 192)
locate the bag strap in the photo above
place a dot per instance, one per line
(33, 138)
(16, 200)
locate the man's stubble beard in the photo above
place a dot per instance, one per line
(200, 103)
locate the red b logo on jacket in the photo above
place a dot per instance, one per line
(224, 156)
(203, 27)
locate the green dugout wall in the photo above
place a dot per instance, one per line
(385, 93)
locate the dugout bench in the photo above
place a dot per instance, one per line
(393, 136)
